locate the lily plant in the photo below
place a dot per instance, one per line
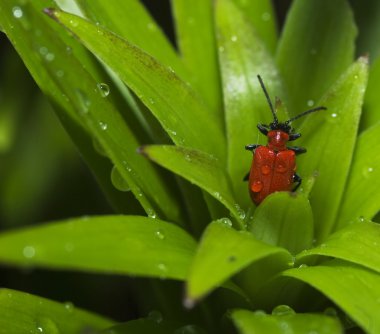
(163, 130)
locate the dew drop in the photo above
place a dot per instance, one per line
(281, 168)
(118, 181)
(60, 73)
(29, 252)
(103, 125)
(234, 38)
(84, 101)
(265, 16)
(302, 266)
(240, 211)
(69, 307)
(259, 313)
(265, 169)
(257, 186)
(310, 103)
(73, 23)
(160, 234)
(69, 50)
(334, 115)
(47, 326)
(43, 50)
(151, 26)
(151, 213)
(283, 310)
(189, 329)
(225, 221)
(103, 89)
(50, 56)
(17, 12)
(155, 316)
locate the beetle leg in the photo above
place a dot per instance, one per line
(296, 179)
(246, 177)
(263, 129)
(251, 147)
(294, 136)
(297, 150)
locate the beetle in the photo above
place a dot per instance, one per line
(274, 165)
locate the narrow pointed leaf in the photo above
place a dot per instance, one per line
(194, 23)
(358, 243)
(290, 225)
(24, 313)
(59, 64)
(354, 289)
(110, 244)
(242, 57)
(323, 136)
(199, 168)
(170, 99)
(227, 251)
(316, 46)
(135, 25)
(361, 194)
(262, 16)
(257, 322)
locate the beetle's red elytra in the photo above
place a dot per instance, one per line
(274, 165)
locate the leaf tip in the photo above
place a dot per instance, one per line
(142, 150)
(364, 59)
(52, 12)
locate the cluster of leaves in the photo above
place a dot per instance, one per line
(200, 109)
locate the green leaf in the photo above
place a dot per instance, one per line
(135, 25)
(170, 99)
(316, 46)
(262, 16)
(357, 243)
(108, 244)
(242, 57)
(361, 193)
(196, 41)
(354, 289)
(289, 226)
(24, 313)
(199, 168)
(323, 136)
(53, 55)
(258, 322)
(227, 251)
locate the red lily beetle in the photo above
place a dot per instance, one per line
(274, 165)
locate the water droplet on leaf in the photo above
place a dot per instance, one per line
(103, 89)
(29, 252)
(283, 310)
(118, 181)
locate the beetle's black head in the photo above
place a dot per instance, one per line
(282, 126)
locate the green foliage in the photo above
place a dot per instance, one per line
(163, 131)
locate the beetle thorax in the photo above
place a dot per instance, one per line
(277, 140)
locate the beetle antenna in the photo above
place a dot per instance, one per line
(268, 99)
(304, 113)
